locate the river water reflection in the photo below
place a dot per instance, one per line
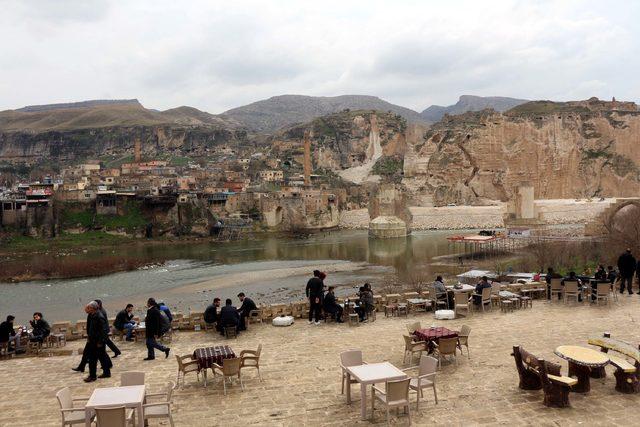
(224, 267)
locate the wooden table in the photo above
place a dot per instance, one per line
(581, 361)
(130, 397)
(371, 373)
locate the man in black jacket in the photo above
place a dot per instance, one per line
(124, 321)
(314, 292)
(96, 340)
(229, 316)
(247, 306)
(211, 312)
(8, 334)
(108, 342)
(41, 328)
(331, 306)
(153, 324)
(627, 268)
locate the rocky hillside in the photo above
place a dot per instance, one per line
(358, 145)
(566, 150)
(280, 111)
(69, 132)
(470, 103)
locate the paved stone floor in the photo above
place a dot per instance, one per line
(302, 379)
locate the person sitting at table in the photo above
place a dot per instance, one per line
(229, 316)
(601, 274)
(124, 321)
(163, 307)
(484, 283)
(440, 289)
(211, 312)
(245, 309)
(365, 303)
(40, 328)
(330, 305)
(572, 277)
(612, 274)
(9, 335)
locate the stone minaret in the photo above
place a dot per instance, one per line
(137, 150)
(307, 159)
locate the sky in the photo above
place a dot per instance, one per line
(216, 55)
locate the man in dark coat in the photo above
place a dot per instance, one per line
(229, 316)
(108, 342)
(247, 306)
(211, 312)
(8, 334)
(627, 268)
(314, 292)
(96, 343)
(124, 321)
(153, 324)
(41, 328)
(331, 306)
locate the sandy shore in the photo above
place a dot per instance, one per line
(251, 277)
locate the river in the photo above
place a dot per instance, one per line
(269, 269)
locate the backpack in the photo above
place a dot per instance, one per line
(165, 324)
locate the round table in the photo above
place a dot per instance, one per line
(582, 361)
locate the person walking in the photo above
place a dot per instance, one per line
(108, 342)
(96, 343)
(314, 292)
(154, 324)
(627, 268)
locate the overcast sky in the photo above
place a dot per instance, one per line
(216, 55)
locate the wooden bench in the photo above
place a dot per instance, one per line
(627, 374)
(536, 374)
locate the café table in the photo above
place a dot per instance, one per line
(418, 302)
(207, 356)
(371, 373)
(582, 361)
(463, 288)
(433, 334)
(128, 396)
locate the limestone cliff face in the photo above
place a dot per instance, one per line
(32, 147)
(349, 143)
(568, 152)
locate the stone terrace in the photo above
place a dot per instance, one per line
(302, 378)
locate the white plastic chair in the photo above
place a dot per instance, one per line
(160, 409)
(70, 414)
(131, 378)
(394, 395)
(426, 378)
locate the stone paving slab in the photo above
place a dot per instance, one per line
(302, 378)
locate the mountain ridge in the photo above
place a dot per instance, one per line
(467, 103)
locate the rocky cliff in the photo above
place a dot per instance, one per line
(566, 150)
(88, 130)
(357, 145)
(468, 103)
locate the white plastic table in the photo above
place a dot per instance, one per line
(130, 397)
(371, 373)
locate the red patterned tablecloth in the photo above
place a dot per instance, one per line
(207, 356)
(434, 334)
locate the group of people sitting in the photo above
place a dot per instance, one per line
(320, 302)
(40, 330)
(229, 316)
